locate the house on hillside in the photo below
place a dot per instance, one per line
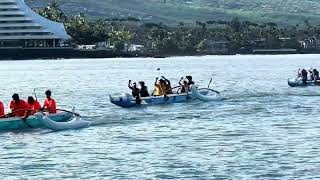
(310, 43)
(216, 47)
(259, 43)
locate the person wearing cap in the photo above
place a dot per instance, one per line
(50, 104)
(143, 90)
(19, 107)
(34, 105)
(160, 87)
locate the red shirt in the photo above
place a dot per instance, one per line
(1, 109)
(35, 106)
(50, 105)
(21, 105)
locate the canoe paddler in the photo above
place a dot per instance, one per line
(304, 74)
(34, 104)
(135, 91)
(190, 81)
(2, 114)
(134, 88)
(143, 89)
(50, 104)
(168, 85)
(184, 86)
(160, 87)
(19, 107)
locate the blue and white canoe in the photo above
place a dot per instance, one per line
(127, 100)
(15, 123)
(297, 82)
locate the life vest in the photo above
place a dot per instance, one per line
(21, 105)
(1, 109)
(50, 105)
(35, 106)
(160, 89)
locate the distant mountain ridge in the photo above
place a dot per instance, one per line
(285, 12)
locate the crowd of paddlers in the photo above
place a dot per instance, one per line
(21, 108)
(311, 74)
(162, 87)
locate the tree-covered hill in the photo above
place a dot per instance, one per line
(174, 11)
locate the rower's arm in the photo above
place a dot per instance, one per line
(180, 82)
(129, 84)
(155, 83)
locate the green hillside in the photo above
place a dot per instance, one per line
(174, 11)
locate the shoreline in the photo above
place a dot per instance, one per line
(71, 53)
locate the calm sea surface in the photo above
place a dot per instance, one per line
(263, 130)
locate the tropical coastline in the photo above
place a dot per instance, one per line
(48, 33)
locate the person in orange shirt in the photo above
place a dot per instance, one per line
(34, 105)
(49, 103)
(2, 114)
(19, 107)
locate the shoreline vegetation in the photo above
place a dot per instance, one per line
(133, 37)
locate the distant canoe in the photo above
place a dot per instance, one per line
(15, 123)
(298, 83)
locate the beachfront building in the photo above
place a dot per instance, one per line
(21, 27)
(310, 43)
(216, 47)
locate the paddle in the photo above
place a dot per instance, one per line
(76, 114)
(35, 94)
(209, 87)
(209, 83)
(214, 91)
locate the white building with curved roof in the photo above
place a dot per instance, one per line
(20, 26)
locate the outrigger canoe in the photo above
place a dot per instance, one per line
(15, 123)
(128, 101)
(297, 82)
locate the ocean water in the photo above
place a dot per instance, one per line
(262, 130)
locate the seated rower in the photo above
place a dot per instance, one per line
(2, 113)
(160, 88)
(143, 90)
(316, 74)
(311, 74)
(19, 107)
(304, 75)
(167, 85)
(50, 104)
(190, 82)
(184, 86)
(299, 74)
(34, 104)
(134, 88)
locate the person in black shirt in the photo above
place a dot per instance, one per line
(304, 74)
(134, 88)
(316, 74)
(143, 90)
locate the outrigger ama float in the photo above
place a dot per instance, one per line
(128, 101)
